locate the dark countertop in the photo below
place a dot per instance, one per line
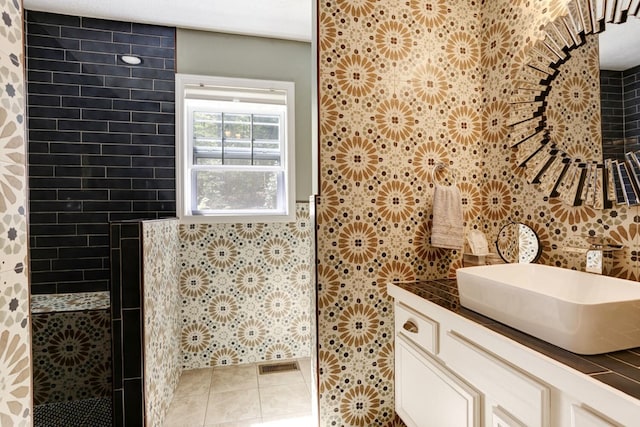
(620, 369)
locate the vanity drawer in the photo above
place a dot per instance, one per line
(523, 397)
(416, 327)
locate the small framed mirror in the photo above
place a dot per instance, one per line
(518, 243)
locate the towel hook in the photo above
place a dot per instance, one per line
(443, 166)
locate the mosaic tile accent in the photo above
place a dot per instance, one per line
(71, 356)
(161, 317)
(245, 291)
(15, 338)
(405, 86)
(88, 412)
(70, 302)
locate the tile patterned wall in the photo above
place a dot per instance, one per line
(245, 292)
(71, 355)
(161, 317)
(101, 141)
(15, 337)
(145, 317)
(405, 85)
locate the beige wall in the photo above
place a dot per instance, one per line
(228, 55)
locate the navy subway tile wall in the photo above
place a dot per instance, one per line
(631, 82)
(101, 141)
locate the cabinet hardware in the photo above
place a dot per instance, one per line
(410, 326)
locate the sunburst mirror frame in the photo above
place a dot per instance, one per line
(576, 182)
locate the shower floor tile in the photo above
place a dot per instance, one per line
(80, 413)
(238, 396)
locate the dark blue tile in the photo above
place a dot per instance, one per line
(104, 24)
(52, 89)
(125, 150)
(74, 148)
(46, 135)
(138, 39)
(54, 42)
(40, 99)
(129, 173)
(106, 70)
(106, 138)
(133, 398)
(132, 127)
(136, 105)
(52, 18)
(54, 112)
(47, 65)
(76, 101)
(105, 47)
(57, 159)
(86, 34)
(83, 125)
(78, 79)
(106, 115)
(132, 83)
(100, 92)
(39, 76)
(45, 53)
(43, 29)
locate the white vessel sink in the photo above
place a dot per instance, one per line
(580, 312)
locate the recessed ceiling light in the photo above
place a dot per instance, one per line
(131, 60)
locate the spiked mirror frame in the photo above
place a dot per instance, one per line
(576, 182)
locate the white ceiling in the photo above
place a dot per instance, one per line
(620, 45)
(284, 19)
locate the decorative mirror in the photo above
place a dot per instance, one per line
(577, 177)
(518, 243)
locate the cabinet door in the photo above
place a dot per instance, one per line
(428, 394)
(583, 417)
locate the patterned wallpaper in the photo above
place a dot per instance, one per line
(245, 291)
(161, 317)
(15, 340)
(403, 87)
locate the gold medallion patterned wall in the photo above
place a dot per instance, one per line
(404, 86)
(15, 340)
(245, 292)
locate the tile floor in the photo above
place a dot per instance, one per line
(238, 396)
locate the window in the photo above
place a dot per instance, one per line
(234, 149)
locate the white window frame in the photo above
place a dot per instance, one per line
(240, 95)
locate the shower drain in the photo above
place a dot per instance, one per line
(273, 368)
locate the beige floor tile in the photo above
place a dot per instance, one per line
(230, 378)
(256, 422)
(194, 382)
(231, 406)
(285, 399)
(280, 378)
(187, 412)
(305, 368)
(290, 420)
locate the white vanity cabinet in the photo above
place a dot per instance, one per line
(452, 371)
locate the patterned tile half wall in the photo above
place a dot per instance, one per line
(145, 313)
(15, 340)
(245, 292)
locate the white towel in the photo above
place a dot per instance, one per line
(448, 224)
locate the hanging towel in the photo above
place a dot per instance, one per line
(448, 229)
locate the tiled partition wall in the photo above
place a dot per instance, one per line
(145, 319)
(101, 141)
(15, 339)
(404, 86)
(245, 291)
